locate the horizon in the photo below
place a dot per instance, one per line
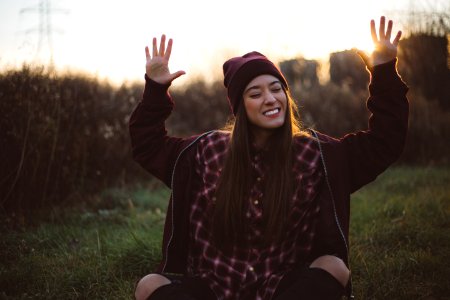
(107, 39)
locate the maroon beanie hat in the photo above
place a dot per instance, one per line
(239, 71)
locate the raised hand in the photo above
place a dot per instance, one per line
(157, 66)
(385, 50)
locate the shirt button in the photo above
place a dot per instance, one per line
(256, 202)
(214, 198)
(251, 269)
(259, 178)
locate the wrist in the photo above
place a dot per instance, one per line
(156, 93)
(385, 76)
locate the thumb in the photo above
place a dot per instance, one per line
(175, 75)
(363, 56)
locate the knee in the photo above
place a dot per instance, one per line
(333, 265)
(148, 284)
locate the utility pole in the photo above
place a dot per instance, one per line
(45, 28)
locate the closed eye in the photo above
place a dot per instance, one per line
(276, 89)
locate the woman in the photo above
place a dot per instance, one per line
(261, 211)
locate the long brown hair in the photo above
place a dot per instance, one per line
(232, 193)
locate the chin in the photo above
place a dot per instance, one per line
(275, 125)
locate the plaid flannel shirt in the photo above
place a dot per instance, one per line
(252, 272)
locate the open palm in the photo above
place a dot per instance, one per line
(385, 50)
(157, 65)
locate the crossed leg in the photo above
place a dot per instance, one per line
(148, 284)
(329, 263)
(333, 265)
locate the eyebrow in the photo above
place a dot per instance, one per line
(254, 87)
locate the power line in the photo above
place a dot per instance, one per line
(45, 27)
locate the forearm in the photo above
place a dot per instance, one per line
(390, 109)
(151, 147)
(372, 151)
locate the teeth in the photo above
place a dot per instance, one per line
(271, 112)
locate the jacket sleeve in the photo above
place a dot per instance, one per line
(372, 151)
(152, 148)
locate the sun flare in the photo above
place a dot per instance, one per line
(203, 39)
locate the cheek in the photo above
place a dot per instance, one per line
(286, 107)
(285, 104)
(251, 108)
(284, 100)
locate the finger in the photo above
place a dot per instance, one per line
(363, 56)
(176, 75)
(147, 53)
(381, 32)
(389, 30)
(162, 45)
(169, 49)
(155, 49)
(373, 31)
(397, 38)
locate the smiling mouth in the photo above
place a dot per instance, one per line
(272, 112)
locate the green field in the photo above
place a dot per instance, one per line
(400, 242)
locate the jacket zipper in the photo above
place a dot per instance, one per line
(338, 224)
(173, 195)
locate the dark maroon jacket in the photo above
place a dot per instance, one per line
(349, 162)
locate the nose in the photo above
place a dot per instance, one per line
(269, 98)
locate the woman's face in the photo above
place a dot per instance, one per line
(265, 102)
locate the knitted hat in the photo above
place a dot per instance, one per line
(239, 71)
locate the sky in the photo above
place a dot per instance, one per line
(107, 38)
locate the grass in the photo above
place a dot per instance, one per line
(84, 254)
(400, 235)
(400, 242)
